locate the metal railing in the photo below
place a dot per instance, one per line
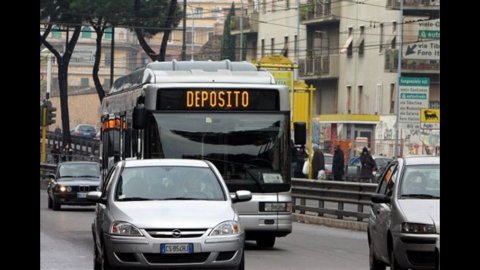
(338, 199)
(325, 66)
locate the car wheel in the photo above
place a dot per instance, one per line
(56, 206)
(393, 262)
(266, 242)
(374, 263)
(50, 203)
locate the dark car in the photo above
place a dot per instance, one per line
(83, 130)
(71, 183)
(353, 169)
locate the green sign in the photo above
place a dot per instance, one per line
(415, 81)
(413, 96)
(429, 34)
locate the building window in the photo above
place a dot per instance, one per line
(273, 5)
(108, 33)
(84, 82)
(361, 41)
(198, 12)
(188, 37)
(264, 6)
(295, 46)
(349, 99)
(393, 43)
(106, 83)
(210, 35)
(287, 3)
(380, 47)
(108, 58)
(272, 45)
(56, 33)
(348, 46)
(392, 98)
(86, 32)
(360, 98)
(285, 46)
(263, 48)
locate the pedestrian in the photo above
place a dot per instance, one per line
(67, 153)
(338, 164)
(318, 161)
(300, 157)
(56, 152)
(368, 166)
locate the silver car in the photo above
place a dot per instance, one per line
(404, 222)
(167, 213)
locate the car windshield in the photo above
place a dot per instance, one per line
(168, 183)
(86, 129)
(421, 181)
(75, 170)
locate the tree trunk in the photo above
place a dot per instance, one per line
(63, 87)
(96, 64)
(168, 26)
(143, 43)
(45, 33)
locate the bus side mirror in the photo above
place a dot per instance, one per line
(139, 115)
(300, 132)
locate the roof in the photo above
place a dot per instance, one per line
(165, 162)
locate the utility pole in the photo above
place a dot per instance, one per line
(241, 31)
(193, 33)
(49, 75)
(399, 74)
(112, 54)
(184, 31)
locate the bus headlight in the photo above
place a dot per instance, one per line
(276, 207)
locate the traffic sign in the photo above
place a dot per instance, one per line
(421, 38)
(430, 118)
(428, 50)
(414, 93)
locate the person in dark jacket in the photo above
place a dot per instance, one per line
(299, 157)
(368, 166)
(338, 164)
(67, 153)
(318, 161)
(56, 152)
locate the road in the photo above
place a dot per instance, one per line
(66, 243)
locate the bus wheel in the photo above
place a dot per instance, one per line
(266, 242)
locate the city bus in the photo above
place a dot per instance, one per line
(229, 113)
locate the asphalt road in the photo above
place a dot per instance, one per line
(66, 243)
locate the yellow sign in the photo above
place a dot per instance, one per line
(283, 77)
(430, 116)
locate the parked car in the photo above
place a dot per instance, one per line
(71, 182)
(83, 130)
(404, 222)
(352, 171)
(167, 213)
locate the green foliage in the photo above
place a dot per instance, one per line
(228, 44)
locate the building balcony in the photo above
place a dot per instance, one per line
(410, 65)
(250, 24)
(414, 4)
(317, 67)
(319, 11)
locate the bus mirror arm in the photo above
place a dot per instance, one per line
(139, 115)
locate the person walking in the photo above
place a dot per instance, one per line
(56, 152)
(368, 166)
(338, 164)
(318, 161)
(67, 153)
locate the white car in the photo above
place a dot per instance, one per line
(404, 222)
(167, 213)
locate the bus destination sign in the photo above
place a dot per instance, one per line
(218, 99)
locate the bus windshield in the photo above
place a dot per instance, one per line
(249, 149)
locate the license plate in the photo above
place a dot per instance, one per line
(81, 195)
(176, 248)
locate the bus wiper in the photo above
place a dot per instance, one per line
(247, 168)
(135, 199)
(427, 196)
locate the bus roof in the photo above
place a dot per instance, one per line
(194, 72)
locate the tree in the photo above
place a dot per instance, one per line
(228, 45)
(152, 17)
(59, 13)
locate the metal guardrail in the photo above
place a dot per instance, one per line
(312, 196)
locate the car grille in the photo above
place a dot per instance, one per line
(176, 258)
(175, 233)
(417, 240)
(84, 188)
(421, 258)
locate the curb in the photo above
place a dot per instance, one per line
(330, 222)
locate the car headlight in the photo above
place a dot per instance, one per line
(64, 188)
(276, 207)
(124, 229)
(230, 227)
(417, 228)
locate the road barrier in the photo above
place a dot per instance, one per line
(332, 198)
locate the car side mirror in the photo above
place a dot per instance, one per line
(96, 196)
(241, 196)
(380, 198)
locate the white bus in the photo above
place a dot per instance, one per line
(226, 112)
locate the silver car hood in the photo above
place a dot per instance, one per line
(421, 211)
(173, 214)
